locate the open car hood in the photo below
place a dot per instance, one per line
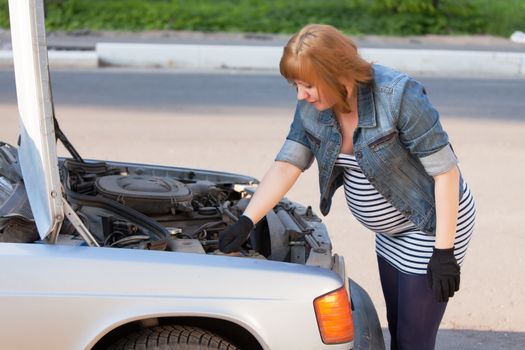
(37, 149)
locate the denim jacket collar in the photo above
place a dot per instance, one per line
(365, 107)
(326, 117)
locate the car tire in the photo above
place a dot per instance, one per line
(367, 329)
(172, 337)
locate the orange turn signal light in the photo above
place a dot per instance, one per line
(334, 317)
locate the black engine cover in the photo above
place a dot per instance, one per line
(149, 195)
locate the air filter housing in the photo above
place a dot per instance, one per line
(149, 195)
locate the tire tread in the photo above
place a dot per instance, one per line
(172, 337)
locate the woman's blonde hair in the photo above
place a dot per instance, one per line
(322, 56)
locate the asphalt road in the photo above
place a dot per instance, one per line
(235, 121)
(173, 91)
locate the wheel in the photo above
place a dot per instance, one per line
(367, 329)
(172, 337)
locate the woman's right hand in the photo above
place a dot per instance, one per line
(274, 185)
(231, 239)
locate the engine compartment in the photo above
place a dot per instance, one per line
(183, 210)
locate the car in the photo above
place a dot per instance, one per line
(102, 254)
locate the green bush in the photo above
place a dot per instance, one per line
(390, 17)
(4, 14)
(504, 16)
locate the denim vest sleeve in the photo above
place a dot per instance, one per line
(295, 149)
(421, 132)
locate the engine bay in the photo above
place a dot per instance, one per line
(175, 209)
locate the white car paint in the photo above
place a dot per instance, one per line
(60, 297)
(37, 151)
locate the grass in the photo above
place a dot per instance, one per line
(382, 17)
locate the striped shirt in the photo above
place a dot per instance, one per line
(398, 241)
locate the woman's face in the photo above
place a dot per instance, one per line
(312, 95)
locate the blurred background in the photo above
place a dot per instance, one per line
(383, 17)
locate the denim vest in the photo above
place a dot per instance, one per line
(398, 143)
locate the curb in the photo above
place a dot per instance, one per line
(267, 58)
(479, 63)
(59, 59)
(186, 56)
(189, 56)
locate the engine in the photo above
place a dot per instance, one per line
(141, 207)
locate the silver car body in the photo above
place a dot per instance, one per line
(55, 296)
(59, 297)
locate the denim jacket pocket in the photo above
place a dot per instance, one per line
(382, 140)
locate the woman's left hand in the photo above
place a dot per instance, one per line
(443, 274)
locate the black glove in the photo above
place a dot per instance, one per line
(231, 239)
(443, 274)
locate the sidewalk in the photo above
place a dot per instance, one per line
(468, 55)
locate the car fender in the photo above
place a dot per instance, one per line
(107, 287)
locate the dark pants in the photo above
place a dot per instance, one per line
(413, 314)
